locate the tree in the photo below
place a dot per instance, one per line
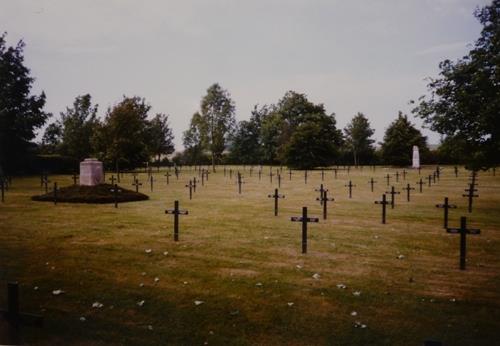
(51, 139)
(192, 140)
(399, 139)
(78, 125)
(311, 145)
(357, 138)
(123, 135)
(160, 137)
(246, 143)
(465, 100)
(217, 119)
(21, 114)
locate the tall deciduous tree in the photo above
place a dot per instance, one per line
(399, 139)
(123, 135)
(21, 114)
(51, 139)
(78, 125)
(465, 100)
(160, 137)
(247, 141)
(358, 139)
(192, 140)
(217, 118)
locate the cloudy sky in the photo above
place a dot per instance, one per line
(367, 55)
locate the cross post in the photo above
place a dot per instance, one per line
(445, 207)
(279, 180)
(421, 182)
(55, 193)
(271, 176)
(429, 178)
(322, 174)
(470, 195)
(463, 231)
(392, 193)
(112, 179)
(408, 189)
(456, 171)
(388, 178)
(335, 172)
(151, 181)
(176, 212)
(324, 200)
(304, 220)
(404, 174)
(190, 186)
(397, 176)
(168, 177)
(239, 182)
(371, 182)
(350, 186)
(75, 177)
(384, 203)
(136, 184)
(305, 176)
(276, 196)
(290, 174)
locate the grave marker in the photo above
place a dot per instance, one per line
(397, 176)
(190, 186)
(305, 176)
(276, 196)
(116, 191)
(445, 207)
(384, 203)
(136, 183)
(463, 231)
(55, 193)
(16, 319)
(470, 195)
(388, 178)
(75, 177)
(371, 182)
(456, 171)
(350, 186)
(151, 182)
(194, 184)
(430, 179)
(239, 182)
(408, 189)
(320, 190)
(279, 180)
(176, 212)
(112, 179)
(304, 220)
(392, 193)
(421, 182)
(168, 177)
(324, 200)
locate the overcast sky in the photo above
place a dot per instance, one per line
(369, 56)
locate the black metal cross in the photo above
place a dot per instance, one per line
(388, 177)
(168, 177)
(392, 193)
(190, 186)
(408, 189)
(239, 182)
(445, 207)
(324, 200)
(115, 191)
(271, 176)
(470, 195)
(421, 182)
(176, 172)
(136, 183)
(14, 318)
(456, 171)
(335, 172)
(350, 186)
(276, 196)
(207, 172)
(260, 174)
(438, 172)
(176, 212)
(463, 231)
(430, 179)
(322, 174)
(290, 174)
(305, 176)
(75, 177)
(371, 182)
(279, 180)
(384, 203)
(305, 220)
(320, 190)
(434, 175)
(397, 176)
(55, 193)
(151, 182)
(113, 179)
(404, 174)
(46, 182)
(194, 184)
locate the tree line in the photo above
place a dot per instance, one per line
(463, 105)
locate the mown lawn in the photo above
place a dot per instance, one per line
(402, 282)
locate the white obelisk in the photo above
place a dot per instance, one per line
(416, 157)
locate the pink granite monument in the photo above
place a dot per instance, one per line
(91, 172)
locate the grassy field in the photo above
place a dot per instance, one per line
(402, 282)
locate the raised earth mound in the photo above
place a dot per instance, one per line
(91, 194)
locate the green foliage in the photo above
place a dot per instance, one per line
(123, 137)
(21, 114)
(246, 145)
(217, 120)
(399, 139)
(192, 140)
(51, 138)
(358, 141)
(78, 124)
(160, 137)
(465, 101)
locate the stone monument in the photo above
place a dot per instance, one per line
(416, 157)
(91, 172)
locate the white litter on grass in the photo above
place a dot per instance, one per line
(141, 303)
(150, 327)
(354, 313)
(258, 284)
(298, 266)
(401, 257)
(82, 319)
(453, 300)
(165, 253)
(57, 292)
(141, 285)
(198, 302)
(157, 279)
(143, 273)
(316, 276)
(290, 303)
(35, 288)
(97, 305)
(358, 324)
(356, 293)
(148, 250)
(341, 286)
(185, 282)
